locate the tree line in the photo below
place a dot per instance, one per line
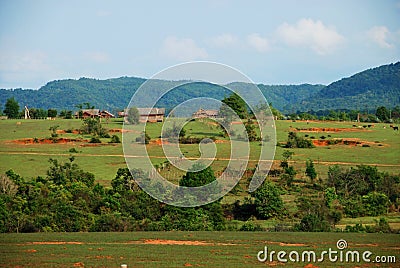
(68, 199)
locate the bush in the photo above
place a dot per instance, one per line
(115, 139)
(312, 223)
(251, 226)
(73, 150)
(95, 140)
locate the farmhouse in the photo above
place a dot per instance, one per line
(147, 114)
(94, 113)
(151, 114)
(201, 113)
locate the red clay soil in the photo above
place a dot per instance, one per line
(62, 131)
(328, 129)
(48, 141)
(348, 141)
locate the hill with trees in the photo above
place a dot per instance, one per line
(371, 88)
(374, 87)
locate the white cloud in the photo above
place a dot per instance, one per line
(260, 43)
(98, 57)
(224, 40)
(379, 35)
(312, 34)
(30, 69)
(182, 49)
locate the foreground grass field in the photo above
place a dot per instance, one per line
(185, 249)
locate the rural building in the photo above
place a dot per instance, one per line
(151, 114)
(94, 113)
(106, 114)
(147, 114)
(201, 113)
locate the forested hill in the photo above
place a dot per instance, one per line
(370, 88)
(115, 94)
(374, 87)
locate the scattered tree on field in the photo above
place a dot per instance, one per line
(133, 116)
(11, 108)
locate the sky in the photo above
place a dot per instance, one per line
(272, 42)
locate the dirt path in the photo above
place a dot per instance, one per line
(191, 158)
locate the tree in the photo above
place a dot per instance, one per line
(133, 116)
(236, 103)
(382, 113)
(310, 170)
(11, 108)
(198, 178)
(268, 201)
(93, 126)
(251, 132)
(52, 113)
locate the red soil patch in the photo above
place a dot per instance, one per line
(56, 243)
(31, 250)
(347, 141)
(183, 242)
(48, 141)
(328, 129)
(310, 265)
(291, 245)
(176, 242)
(282, 244)
(79, 264)
(62, 131)
(159, 141)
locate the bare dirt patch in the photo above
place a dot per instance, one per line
(48, 141)
(56, 243)
(328, 129)
(347, 141)
(183, 242)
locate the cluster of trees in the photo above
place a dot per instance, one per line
(381, 114)
(68, 199)
(12, 111)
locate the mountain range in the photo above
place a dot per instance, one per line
(371, 88)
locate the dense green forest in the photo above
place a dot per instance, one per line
(68, 199)
(372, 88)
(368, 89)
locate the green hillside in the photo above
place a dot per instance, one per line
(371, 88)
(374, 87)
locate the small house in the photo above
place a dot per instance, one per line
(151, 114)
(201, 113)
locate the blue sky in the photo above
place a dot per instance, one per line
(272, 42)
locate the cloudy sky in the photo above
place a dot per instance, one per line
(272, 42)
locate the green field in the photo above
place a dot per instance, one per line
(184, 249)
(103, 161)
(177, 249)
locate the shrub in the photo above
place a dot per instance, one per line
(73, 150)
(115, 139)
(251, 226)
(95, 140)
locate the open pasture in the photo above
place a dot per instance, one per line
(184, 249)
(378, 145)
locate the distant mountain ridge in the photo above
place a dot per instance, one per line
(373, 87)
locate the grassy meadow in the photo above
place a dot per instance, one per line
(180, 249)
(31, 160)
(183, 249)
